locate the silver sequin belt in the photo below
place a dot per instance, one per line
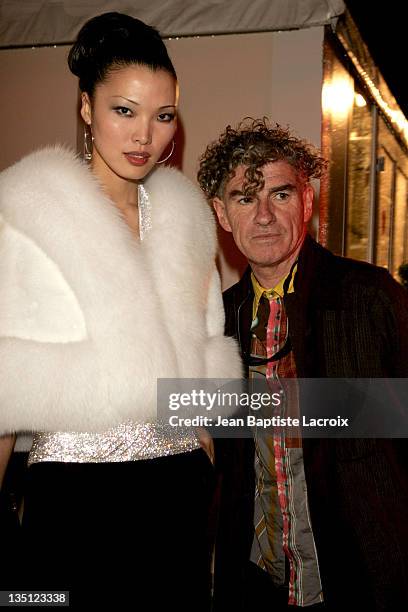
(128, 441)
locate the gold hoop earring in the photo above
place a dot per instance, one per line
(88, 142)
(173, 146)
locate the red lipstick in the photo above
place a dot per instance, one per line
(137, 158)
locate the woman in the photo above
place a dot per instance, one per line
(108, 283)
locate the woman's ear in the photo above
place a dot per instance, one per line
(86, 108)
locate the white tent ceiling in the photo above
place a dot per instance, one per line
(48, 22)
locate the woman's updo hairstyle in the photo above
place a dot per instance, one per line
(112, 41)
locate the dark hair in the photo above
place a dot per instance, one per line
(111, 41)
(254, 143)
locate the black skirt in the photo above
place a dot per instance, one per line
(133, 535)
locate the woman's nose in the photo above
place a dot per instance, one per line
(142, 133)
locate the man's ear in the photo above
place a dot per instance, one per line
(219, 208)
(86, 108)
(308, 197)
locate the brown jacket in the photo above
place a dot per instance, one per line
(346, 319)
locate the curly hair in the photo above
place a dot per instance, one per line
(253, 144)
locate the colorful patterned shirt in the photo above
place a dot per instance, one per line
(283, 542)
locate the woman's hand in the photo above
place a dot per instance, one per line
(6, 448)
(206, 442)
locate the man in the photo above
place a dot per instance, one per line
(316, 523)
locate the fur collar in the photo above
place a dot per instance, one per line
(89, 316)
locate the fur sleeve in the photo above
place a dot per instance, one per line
(223, 360)
(36, 302)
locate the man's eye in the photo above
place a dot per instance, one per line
(166, 117)
(281, 196)
(123, 111)
(245, 200)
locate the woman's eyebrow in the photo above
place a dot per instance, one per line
(137, 103)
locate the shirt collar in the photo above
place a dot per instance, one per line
(276, 291)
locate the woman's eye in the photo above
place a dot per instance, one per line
(123, 111)
(166, 117)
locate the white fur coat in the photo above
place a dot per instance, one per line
(89, 316)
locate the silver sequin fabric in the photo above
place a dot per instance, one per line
(126, 442)
(145, 213)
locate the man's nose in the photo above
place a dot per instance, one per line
(264, 212)
(142, 133)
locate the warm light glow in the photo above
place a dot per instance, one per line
(337, 96)
(359, 100)
(395, 115)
